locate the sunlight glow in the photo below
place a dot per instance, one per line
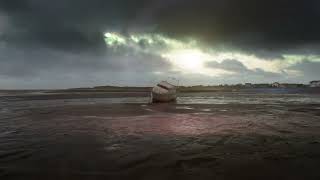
(187, 56)
(192, 61)
(186, 59)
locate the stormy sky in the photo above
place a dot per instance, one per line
(82, 43)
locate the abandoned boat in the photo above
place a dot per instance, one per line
(164, 92)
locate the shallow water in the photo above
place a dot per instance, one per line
(202, 136)
(183, 98)
(247, 98)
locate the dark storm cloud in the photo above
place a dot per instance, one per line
(45, 38)
(57, 39)
(247, 24)
(266, 24)
(71, 25)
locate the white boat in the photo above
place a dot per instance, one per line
(164, 92)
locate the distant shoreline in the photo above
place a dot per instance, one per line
(146, 88)
(106, 92)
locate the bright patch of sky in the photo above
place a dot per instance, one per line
(189, 57)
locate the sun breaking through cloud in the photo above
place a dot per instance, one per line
(55, 44)
(190, 58)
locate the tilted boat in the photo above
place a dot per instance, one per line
(164, 92)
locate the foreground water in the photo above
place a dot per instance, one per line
(202, 136)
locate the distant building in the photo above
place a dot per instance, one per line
(315, 84)
(276, 84)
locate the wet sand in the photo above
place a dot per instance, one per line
(159, 141)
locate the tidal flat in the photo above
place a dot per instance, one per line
(221, 135)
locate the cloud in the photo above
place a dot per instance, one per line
(206, 41)
(50, 68)
(309, 70)
(239, 68)
(69, 25)
(268, 25)
(228, 64)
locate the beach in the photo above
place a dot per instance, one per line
(120, 135)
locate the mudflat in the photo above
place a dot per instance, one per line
(56, 137)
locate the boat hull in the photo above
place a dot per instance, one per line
(164, 92)
(163, 97)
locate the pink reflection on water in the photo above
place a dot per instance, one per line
(172, 124)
